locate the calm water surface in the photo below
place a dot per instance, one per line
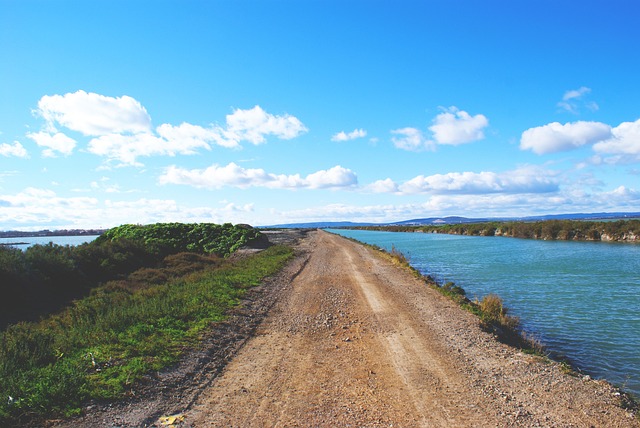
(581, 299)
(60, 240)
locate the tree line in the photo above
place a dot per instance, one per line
(569, 230)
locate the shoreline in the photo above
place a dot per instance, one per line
(623, 231)
(514, 337)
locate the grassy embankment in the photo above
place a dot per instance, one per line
(100, 345)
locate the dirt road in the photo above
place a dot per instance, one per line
(356, 341)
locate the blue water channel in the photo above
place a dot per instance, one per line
(26, 242)
(581, 299)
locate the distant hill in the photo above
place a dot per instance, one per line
(318, 225)
(456, 219)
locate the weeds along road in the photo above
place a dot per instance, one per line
(356, 341)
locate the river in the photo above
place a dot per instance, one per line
(581, 299)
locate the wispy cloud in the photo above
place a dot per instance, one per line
(451, 127)
(526, 179)
(232, 175)
(343, 136)
(575, 99)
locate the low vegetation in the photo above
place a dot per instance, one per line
(99, 346)
(568, 230)
(45, 278)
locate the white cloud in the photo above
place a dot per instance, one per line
(522, 180)
(193, 136)
(411, 139)
(455, 127)
(574, 99)
(254, 124)
(451, 127)
(625, 140)
(343, 136)
(472, 205)
(53, 143)
(122, 131)
(37, 206)
(185, 140)
(216, 177)
(332, 178)
(94, 114)
(382, 186)
(13, 150)
(35, 209)
(555, 137)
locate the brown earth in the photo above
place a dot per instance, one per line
(344, 337)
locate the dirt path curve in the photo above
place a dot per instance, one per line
(356, 341)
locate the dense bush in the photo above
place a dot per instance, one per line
(170, 238)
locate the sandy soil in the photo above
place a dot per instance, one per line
(343, 337)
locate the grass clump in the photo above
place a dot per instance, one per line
(102, 344)
(494, 313)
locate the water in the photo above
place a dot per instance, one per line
(581, 299)
(60, 240)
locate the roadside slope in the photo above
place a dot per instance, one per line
(356, 341)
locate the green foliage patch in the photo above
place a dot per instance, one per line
(102, 344)
(168, 238)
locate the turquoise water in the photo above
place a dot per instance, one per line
(581, 299)
(60, 240)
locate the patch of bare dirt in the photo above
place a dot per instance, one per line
(343, 337)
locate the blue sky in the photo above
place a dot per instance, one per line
(268, 112)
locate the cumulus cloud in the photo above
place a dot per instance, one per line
(343, 136)
(382, 186)
(555, 137)
(625, 140)
(53, 143)
(13, 150)
(121, 129)
(252, 125)
(455, 127)
(127, 148)
(451, 127)
(233, 175)
(94, 114)
(572, 100)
